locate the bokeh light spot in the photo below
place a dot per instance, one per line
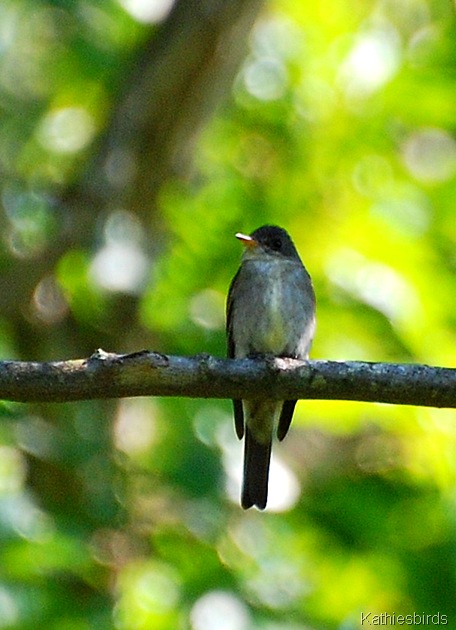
(266, 78)
(373, 60)
(207, 309)
(66, 130)
(219, 610)
(148, 11)
(430, 155)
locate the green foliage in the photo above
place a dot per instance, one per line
(125, 514)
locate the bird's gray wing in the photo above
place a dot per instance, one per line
(286, 416)
(237, 404)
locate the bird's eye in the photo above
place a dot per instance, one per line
(276, 244)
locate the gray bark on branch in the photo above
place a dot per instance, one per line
(108, 375)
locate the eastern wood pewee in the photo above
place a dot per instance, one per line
(270, 311)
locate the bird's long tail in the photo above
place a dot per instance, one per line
(257, 457)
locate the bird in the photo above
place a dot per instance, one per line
(270, 311)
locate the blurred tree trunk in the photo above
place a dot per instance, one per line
(173, 85)
(170, 87)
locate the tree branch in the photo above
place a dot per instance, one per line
(108, 375)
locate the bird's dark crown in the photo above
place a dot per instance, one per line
(275, 239)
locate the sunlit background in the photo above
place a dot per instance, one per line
(339, 126)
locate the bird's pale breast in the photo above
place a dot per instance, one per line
(275, 316)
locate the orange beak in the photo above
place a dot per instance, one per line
(246, 240)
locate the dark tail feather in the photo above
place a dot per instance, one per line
(257, 457)
(285, 418)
